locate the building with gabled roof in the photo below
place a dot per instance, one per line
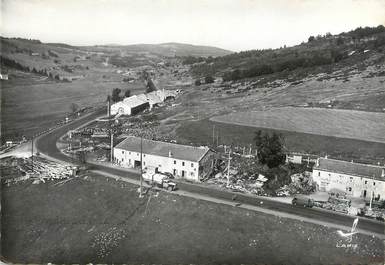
(129, 106)
(357, 180)
(182, 161)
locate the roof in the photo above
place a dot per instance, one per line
(178, 151)
(134, 101)
(350, 168)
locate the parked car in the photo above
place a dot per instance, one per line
(303, 201)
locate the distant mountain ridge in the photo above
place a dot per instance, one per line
(169, 49)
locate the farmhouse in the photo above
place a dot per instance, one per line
(357, 180)
(129, 106)
(137, 103)
(183, 161)
(3, 77)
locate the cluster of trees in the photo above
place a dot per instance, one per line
(322, 50)
(360, 32)
(315, 58)
(150, 85)
(270, 149)
(115, 95)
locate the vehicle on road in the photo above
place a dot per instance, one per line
(160, 180)
(303, 201)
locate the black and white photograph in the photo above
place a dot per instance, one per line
(192, 132)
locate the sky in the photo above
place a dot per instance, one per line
(230, 24)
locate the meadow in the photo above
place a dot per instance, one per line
(201, 132)
(360, 125)
(32, 103)
(91, 219)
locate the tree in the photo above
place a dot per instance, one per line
(115, 95)
(150, 86)
(127, 93)
(209, 79)
(74, 107)
(270, 149)
(311, 38)
(198, 82)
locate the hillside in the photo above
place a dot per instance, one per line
(329, 50)
(170, 49)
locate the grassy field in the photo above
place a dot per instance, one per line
(368, 126)
(200, 132)
(31, 103)
(100, 221)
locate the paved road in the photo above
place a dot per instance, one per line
(46, 144)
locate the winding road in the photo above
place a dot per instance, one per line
(46, 144)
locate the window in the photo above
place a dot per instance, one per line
(319, 174)
(182, 163)
(350, 188)
(192, 164)
(351, 179)
(374, 183)
(144, 163)
(366, 182)
(192, 174)
(174, 162)
(122, 152)
(144, 155)
(129, 153)
(329, 175)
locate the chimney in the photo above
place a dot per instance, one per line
(317, 162)
(169, 153)
(383, 173)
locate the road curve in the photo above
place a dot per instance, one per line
(46, 144)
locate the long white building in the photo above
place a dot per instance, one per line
(137, 103)
(183, 161)
(357, 180)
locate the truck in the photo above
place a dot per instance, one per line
(160, 180)
(303, 201)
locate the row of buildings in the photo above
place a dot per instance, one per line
(137, 103)
(195, 163)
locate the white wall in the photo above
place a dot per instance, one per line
(329, 180)
(164, 164)
(115, 108)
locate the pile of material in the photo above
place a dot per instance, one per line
(38, 169)
(301, 183)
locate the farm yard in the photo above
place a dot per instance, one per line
(360, 125)
(99, 220)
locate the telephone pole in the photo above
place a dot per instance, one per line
(32, 153)
(112, 147)
(141, 167)
(213, 135)
(228, 169)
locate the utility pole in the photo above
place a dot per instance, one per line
(213, 135)
(228, 169)
(32, 153)
(217, 139)
(141, 167)
(112, 147)
(371, 199)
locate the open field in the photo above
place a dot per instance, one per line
(30, 104)
(201, 132)
(368, 126)
(100, 221)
